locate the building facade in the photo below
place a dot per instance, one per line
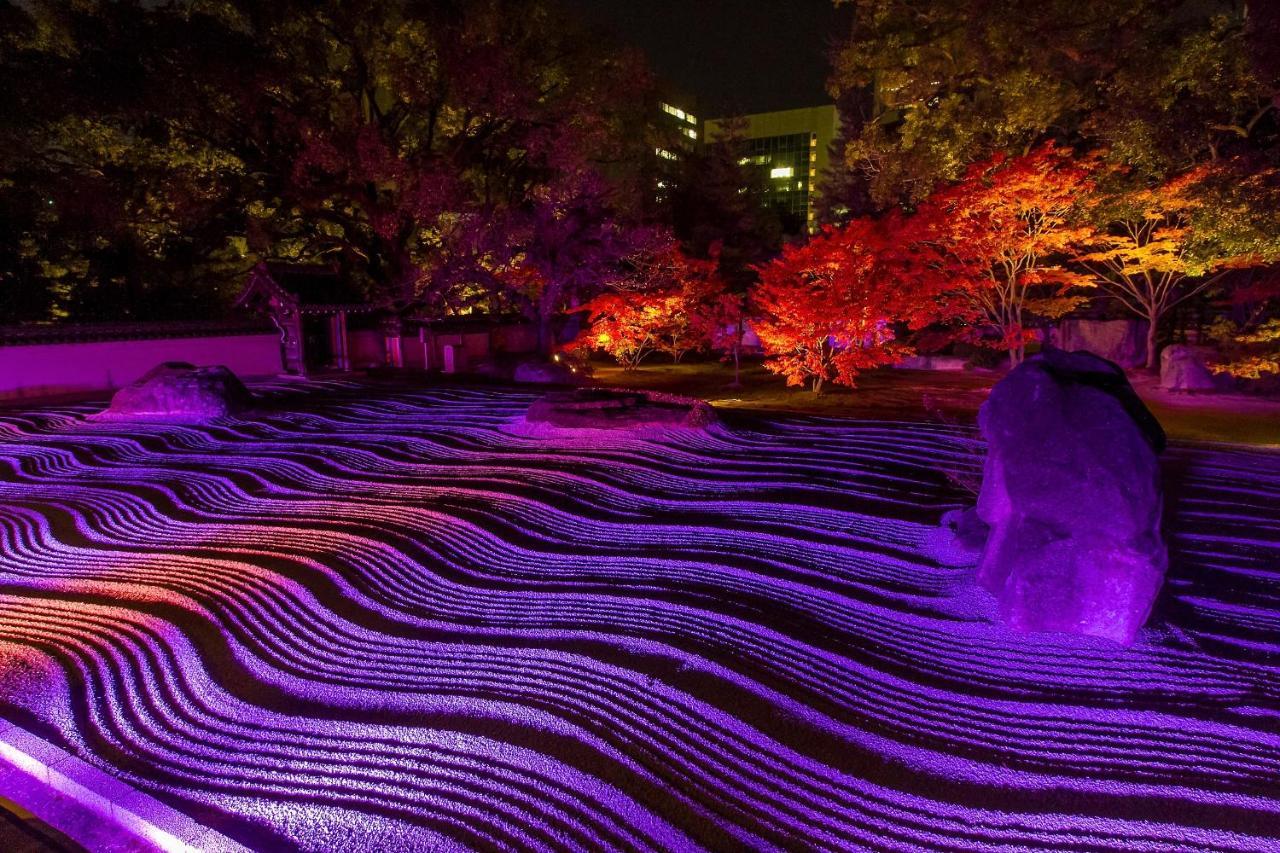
(790, 149)
(676, 133)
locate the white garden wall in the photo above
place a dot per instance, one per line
(46, 369)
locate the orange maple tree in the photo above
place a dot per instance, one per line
(1162, 244)
(629, 324)
(835, 306)
(670, 303)
(1003, 238)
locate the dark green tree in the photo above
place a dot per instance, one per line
(718, 207)
(173, 145)
(1163, 85)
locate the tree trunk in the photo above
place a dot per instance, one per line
(544, 333)
(1153, 362)
(737, 352)
(1018, 351)
(546, 314)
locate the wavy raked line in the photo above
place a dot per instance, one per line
(392, 620)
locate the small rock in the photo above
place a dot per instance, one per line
(969, 529)
(958, 540)
(933, 362)
(1121, 341)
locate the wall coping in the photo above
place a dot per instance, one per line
(36, 333)
(135, 813)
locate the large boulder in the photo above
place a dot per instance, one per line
(177, 391)
(1182, 368)
(1071, 492)
(546, 373)
(1122, 341)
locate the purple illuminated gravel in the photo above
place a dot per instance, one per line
(382, 619)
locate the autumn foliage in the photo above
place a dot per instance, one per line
(838, 305)
(989, 254)
(1017, 243)
(670, 302)
(1249, 334)
(1160, 244)
(629, 325)
(1005, 237)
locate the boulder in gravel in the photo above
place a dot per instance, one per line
(1182, 368)
(177, 391)
(1072, 495)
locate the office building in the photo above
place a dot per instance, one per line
(676, 133)
(789, 148)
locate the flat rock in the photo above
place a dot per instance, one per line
(933, 362)
(602, 408)
(177, 391)
(1072, 495)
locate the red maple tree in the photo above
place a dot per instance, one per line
(839, 304)
(1003, 238)
(720, 322)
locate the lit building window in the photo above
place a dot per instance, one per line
(781, 172)
(665, 154)
(675, 111)
(689, 118)
(692, 134)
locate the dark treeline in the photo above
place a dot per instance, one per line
(441, 154)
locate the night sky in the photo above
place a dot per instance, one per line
(735, 56)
